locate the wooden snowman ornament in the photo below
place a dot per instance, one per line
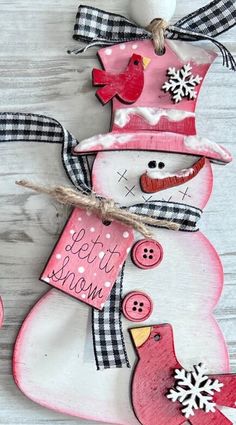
(152, 156)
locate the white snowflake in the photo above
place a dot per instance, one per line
(194, 390)
(181, 83)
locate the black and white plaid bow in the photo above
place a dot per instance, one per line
(99, 28)
(109, 346)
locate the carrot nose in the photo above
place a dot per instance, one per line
(152, 185)
(146, 62)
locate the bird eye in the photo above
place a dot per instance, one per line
(152, 164)
(161, 165)
(157, 337)
(136, 62)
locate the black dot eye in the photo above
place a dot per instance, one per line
(157, 337)
(152, 164)
(161, 165)
(136, 62)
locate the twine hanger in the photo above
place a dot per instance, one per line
(106, 209)
(158, 28)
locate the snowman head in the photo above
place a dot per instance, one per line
(146, 166)
(132, 177)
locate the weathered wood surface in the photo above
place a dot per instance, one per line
(37, 75)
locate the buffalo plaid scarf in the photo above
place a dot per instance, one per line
(99, 28)
(109, 347)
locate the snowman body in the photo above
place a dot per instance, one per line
(54, 361)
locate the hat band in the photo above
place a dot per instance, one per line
(155, 119)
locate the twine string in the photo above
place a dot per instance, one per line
(158, 28)
(106, 209)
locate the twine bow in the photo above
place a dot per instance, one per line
(106, 209)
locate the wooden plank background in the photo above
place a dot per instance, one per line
(37, 75)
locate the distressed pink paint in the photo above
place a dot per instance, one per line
(155, 74)
(88, 258)
(138, 123)
(168, 132)
(19, 373)
(152, 141)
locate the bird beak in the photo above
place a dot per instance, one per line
(146, 62)
(140, 335)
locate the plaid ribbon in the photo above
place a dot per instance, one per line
(109, 345)
(17, 127)
(108, 338)
(100, 28)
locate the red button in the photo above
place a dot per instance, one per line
(137, 306)
(147, 254)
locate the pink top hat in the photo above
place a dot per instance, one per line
(155, 122)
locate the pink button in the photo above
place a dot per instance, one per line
(137, 306)
(147, 254)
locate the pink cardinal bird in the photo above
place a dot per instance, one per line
(154, 380)
(127, 85)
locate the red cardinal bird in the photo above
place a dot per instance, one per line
(127, 85)
(154, 380)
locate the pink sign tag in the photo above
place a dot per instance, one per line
(88, 258)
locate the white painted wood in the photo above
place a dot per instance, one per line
(144, 11)
(36, 75)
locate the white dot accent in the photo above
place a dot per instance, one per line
(88, 213)
(81, 269)
(107, 284)
(125, 235)
(46, 279)
(101, 254)
(108, 52)
(108, 236)
(95, 274)
(79, 219)
(122, 47)
(83, 296)
(72, 232)
(58, 256)
(92, 229)
(135, 46)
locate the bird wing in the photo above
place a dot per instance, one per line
(227, 396)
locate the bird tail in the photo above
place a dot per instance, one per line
(101, 77)
(105, 94)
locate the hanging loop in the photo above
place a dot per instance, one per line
(158, 28)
